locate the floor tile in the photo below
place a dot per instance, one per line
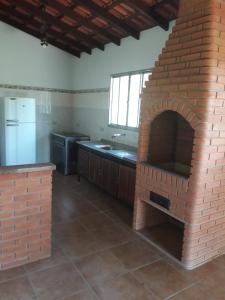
(220, 261)
(135, 254)
(121, 213)
(71, 208)
(161, 278)
(60, 214)
(67, 230)
(80, 245)
(85, 295)
(11, 273)
(17, 289)
(112, 236)
(125, 287)
(195, 292)
(197, 274)
(57, 282)
(56, 258)
(95, 221)
(101, 201)
(100, 267)
(214, 285)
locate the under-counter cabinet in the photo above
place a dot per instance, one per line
(104, 173)
(109, 173)
(127, 179)
(83, 162)
(95, 169)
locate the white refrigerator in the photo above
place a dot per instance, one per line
(18, 131)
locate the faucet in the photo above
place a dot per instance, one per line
(118, 135)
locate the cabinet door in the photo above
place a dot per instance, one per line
(10, 109)
(110, 176)
(26, 143)
(95, 169)
(127, 179)
(83, 162)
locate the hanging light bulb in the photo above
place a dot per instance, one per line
(43, 29)
(44, 42)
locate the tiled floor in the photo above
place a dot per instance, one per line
(96, 255)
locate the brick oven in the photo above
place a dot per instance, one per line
(180, 188)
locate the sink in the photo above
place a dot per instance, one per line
(106, 147)
(117, 152)
(121, 153)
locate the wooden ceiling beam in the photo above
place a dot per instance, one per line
(36, 34)
(149, 12)
(83, 21)
(51, 20)
(102, 12)
(174, 3)
(115, 3)
(57, 35)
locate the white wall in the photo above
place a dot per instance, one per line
(93, 72)
(24, 62)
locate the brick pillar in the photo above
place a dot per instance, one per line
(25, 214)
(189, 78)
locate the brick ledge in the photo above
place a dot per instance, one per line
(27, 168)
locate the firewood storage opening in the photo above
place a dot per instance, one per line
(171, 143)
(163, 231)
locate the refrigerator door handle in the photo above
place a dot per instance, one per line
(12, 124)
(12, 121)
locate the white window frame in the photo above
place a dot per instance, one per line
(120, 75)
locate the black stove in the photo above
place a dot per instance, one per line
(64, 150)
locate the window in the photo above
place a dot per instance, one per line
(125, 90)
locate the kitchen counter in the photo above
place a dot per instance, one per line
(26, 168)
(110, 166)
(116, 151)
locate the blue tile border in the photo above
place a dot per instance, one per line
(43, 89)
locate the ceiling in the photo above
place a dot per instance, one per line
(77, 26)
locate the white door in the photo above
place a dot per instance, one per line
(10, 109)
(10, 144)
(26, 110)
(26, 143)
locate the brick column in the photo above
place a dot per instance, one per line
(25, 214)
(189, 78)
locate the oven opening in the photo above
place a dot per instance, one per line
(163, 231)
(171, 143)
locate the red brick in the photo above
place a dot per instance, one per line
(25, 218)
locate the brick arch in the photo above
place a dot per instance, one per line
(177, 106)
(155, 110)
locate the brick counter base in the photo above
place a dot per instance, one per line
(25, 216)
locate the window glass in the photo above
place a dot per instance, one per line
(123, 101)
(114, 100)
(135, 82)
(125, 90)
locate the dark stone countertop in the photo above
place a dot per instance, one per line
(121, 152)
(26, 168)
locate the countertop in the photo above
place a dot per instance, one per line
(118, 151)
(26, 168)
